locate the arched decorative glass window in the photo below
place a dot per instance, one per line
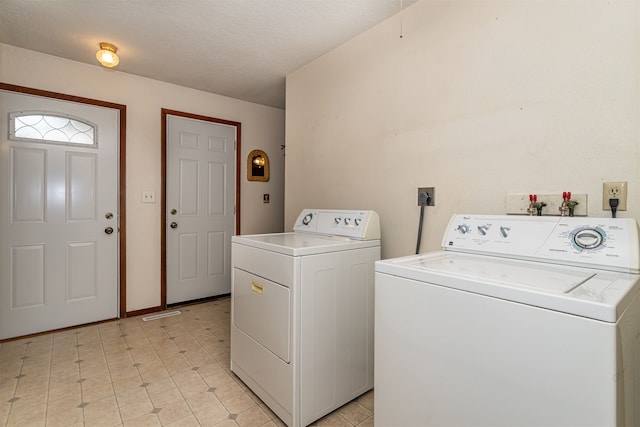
(41, 126)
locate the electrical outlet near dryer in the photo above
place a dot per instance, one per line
(614, 190)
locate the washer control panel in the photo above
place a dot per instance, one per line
(354, 224)
(607, 243)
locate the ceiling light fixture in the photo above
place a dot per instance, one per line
(107, 55)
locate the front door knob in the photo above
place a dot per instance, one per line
(174, 225)
(108, 230)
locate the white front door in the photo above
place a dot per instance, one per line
(200, 208)
(58, 213)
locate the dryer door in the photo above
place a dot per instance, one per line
(262, 311)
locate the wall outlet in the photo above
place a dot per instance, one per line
(148, 197)
(614, 190)
(426, 201)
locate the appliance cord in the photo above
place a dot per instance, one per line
(420, 229)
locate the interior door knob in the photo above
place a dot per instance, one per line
(174, 224)
(108, 230)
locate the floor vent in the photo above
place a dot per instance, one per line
(161, 315)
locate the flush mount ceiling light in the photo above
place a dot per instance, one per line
(107, 55)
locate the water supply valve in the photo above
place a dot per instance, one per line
(535, 207)
(568, 206)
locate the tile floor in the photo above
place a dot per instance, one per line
(172, 371)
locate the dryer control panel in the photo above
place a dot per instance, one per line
(606, 243)
(353, 224)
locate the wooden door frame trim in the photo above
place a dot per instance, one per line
(163, 196)
(122, 162)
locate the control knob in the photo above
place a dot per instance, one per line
(307, 219)
(483, 229)
(357, 221)
(505, 231)
(464, 229)
(588, 238)
(338, 219)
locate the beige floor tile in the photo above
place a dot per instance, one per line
(153, 374)
(174, 371)
(366, 400)
(174, 412)
(28, 410)
(199, 358)
(162, 397)
(193, 388)
(143, 421)
(28, 389)
(161, 385)
(136, 409)
(65, 370)
(367, 423)
(9, 367)
(240, 404)
(202, 401)
(355, 413)
(71, 416)
(177, 365)
(216, 379)
(5, 407)
(227, 423)
(102, 412)
(131, 396)
(212, 415)
(333, 420)
(188, 421)
(63, 403)
(63, 390)
(95, 389)
(125, 382)
(228, 391)
(7, 392)
(186, 377)
(254, 416)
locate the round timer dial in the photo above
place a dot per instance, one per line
(589, 238)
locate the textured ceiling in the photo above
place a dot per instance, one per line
(237, 48)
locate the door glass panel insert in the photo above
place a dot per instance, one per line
(49, 127)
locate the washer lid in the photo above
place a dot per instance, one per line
(596, 294)
(504, 272)
(299, 244)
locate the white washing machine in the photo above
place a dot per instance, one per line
(302, 312)
(527, 321)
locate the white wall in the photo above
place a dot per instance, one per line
(262, 128)
(479, 99)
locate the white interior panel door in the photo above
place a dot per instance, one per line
(200, 208)
(58, 215)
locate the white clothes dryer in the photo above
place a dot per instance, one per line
(302, 312)
(527, 321)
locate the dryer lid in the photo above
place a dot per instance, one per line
(300, 244)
